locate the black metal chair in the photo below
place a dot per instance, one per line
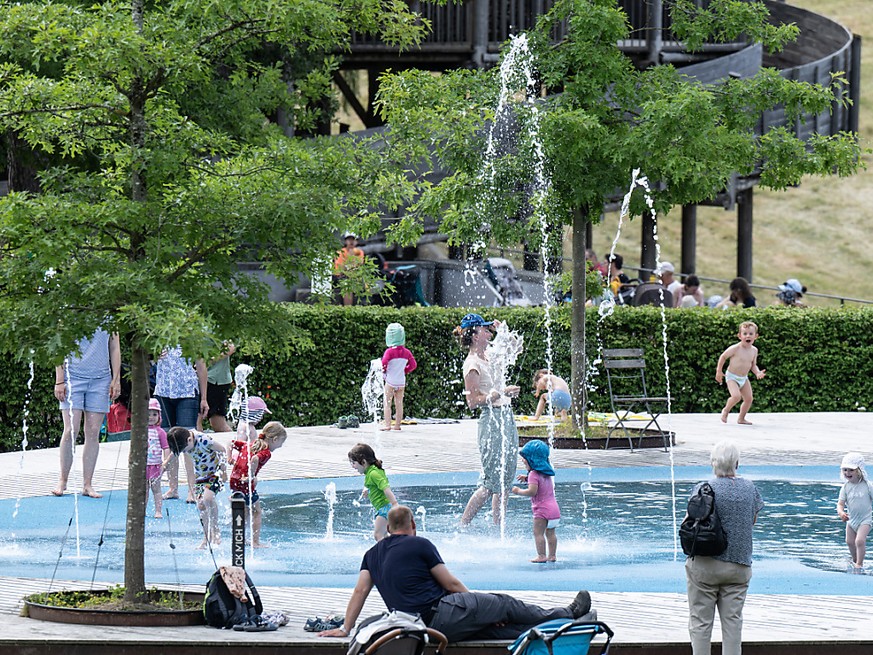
(629, 397)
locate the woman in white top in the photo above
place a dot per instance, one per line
(497, 435)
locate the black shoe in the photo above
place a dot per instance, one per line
(259, 624)
(581, 605)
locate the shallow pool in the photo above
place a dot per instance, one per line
(616, 534)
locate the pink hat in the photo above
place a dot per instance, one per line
(154, 404)
(257, 403)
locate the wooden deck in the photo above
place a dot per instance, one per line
(643, 622)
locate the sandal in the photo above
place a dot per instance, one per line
(328, 623)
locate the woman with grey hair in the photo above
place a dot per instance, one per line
(723, 580)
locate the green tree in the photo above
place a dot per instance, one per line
(166, 173)
(606, 119)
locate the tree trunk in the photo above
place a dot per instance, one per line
(578, 369)
(23, 164)
(137, 489)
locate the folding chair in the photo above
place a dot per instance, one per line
(626, 378)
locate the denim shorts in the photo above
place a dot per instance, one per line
(255, 497)
(88, 394)
(179, 411)
(561, 400)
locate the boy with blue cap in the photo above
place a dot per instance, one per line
(541, 490)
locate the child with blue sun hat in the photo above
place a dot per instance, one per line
(540, 481)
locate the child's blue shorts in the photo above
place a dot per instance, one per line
(561, 400)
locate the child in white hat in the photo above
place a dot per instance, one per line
(856, 496)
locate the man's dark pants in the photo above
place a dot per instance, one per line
(467, 615)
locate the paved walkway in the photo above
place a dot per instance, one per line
(636, 618)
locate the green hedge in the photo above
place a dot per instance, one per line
(816, 360)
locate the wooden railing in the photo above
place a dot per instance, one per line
(473, 32)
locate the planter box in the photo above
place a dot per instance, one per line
(133, 618)
(641, 439)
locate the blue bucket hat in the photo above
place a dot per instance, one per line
(474, 320)
(537, 455)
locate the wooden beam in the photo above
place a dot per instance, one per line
(688, 265)
(366, 117)
(744, 233)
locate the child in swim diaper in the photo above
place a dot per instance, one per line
(743, 358)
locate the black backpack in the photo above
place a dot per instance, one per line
(222, 609)
(701, 532)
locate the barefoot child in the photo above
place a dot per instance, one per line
(541, 490)
(157, 456)
(363, 460)
(243, 476)
(209, 464)
(743, 358)
(549, 386)
(856, 495)
(397, 362)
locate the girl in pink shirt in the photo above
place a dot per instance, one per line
(541, 489)
(397, 361)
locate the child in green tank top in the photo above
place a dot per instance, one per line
(376, 488)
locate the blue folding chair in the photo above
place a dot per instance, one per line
(562, 637)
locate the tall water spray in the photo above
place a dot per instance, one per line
(518, 89)
(501, 354)
(373, 392)
(607, 307)
(24, 428)
(330, 497)
(238, 405)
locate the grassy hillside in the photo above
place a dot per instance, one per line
(819, 233)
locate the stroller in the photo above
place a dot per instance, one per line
(562, 637)
(395, 633)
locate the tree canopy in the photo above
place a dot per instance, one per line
(601, 118)
(163, 169)
(598, 118)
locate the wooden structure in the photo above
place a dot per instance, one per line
(470, 34)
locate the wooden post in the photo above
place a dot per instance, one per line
(744, 233)
(647, 256)
(688, 265)
(480, 32)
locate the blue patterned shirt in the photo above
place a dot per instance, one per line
(176, 377)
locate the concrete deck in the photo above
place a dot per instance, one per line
(643, 622)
